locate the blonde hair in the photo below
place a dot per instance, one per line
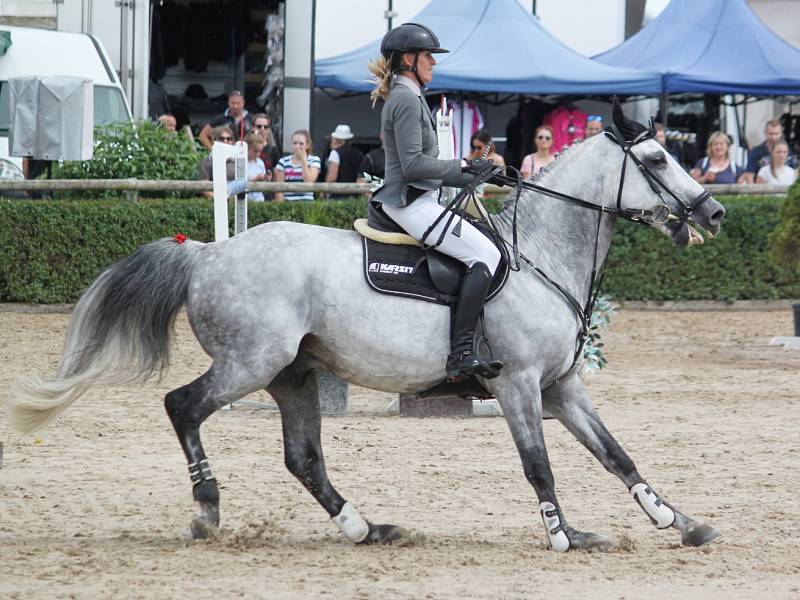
(780, 142)
(382, 72)
(716, 136)
(254, 140)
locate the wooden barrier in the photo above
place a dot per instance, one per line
(156, 185)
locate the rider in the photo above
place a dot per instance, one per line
(414, 176)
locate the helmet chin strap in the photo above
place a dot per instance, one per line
(413, 69)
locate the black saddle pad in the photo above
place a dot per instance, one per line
(401, 270)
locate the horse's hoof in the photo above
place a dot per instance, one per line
(699, 535)
(203, 530)
(386, 534)
(594, 542)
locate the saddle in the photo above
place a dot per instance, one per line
(396, 264)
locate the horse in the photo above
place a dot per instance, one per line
(282, 299)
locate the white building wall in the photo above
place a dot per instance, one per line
(587, 26)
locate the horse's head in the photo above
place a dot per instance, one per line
(655, 183)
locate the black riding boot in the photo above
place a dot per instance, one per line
(464, 359)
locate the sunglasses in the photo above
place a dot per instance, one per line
(225, 139)
(543, 137)
(478, 147)
(591, 118)
(263, 127)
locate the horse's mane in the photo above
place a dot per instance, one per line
(557, 159)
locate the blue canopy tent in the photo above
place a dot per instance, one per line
(476, 32)
(712, 46)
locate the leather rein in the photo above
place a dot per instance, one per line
(659, 214)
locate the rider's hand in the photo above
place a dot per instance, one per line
(477, 166)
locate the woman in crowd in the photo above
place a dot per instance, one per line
(482, 139)
(270, 154)
(717, 166)
(256, 170)
(414, 176)
(777, 171)
(300, 166)
(533, 163)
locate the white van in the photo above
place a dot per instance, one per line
(44, 52)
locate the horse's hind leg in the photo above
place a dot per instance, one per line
(188, 407)
(296, 394)
(570, 404)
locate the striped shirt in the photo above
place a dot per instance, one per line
(294, 172)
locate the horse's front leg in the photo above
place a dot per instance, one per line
(521, 401)
(570, 404)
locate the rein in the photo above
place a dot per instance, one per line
(659, 214)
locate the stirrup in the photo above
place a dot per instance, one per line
(474, 366)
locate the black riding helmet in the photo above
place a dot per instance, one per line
(409, 37)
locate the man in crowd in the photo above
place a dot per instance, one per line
(168, 122)
(661, 138)
(205, 172)
(235, 117)
(760, 155)
(594, 125)
(344, 160)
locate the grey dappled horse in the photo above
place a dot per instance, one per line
(281, 299)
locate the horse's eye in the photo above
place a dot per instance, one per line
(658, 160)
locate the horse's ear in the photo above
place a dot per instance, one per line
(618, 116)
(627, 127)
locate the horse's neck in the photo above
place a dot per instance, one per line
(559, 237)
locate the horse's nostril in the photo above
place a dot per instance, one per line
(718, 215)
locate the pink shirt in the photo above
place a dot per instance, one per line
(533, 164)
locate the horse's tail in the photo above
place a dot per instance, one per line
(120, 332)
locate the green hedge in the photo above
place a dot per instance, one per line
(644, 265)
(50, 250)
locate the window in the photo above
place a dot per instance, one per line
(109, 106)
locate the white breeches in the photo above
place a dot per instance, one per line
(470, 247)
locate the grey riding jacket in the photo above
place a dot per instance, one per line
(409, 139)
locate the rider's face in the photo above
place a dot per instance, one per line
(425, 64)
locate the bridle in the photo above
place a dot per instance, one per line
(661, 213)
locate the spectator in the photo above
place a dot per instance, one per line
(344, 160)
(218, 134)
(256, 170)
(717, 166)
(262, 125)
(374, 163)
(594, 125)
(777, 171)
(168, 122)
(299, 166)
(481, 140)
(235, 117)
(533, 163)
(760, 155)
(661, 138)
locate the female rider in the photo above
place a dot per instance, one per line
(414, 174)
